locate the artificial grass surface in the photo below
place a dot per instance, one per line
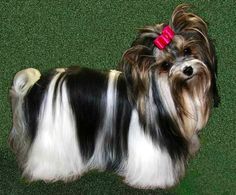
(43, 34)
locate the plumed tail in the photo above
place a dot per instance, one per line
(24, 80)
(22, 83)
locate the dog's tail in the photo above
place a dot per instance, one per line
(22, 83)
(24, 80)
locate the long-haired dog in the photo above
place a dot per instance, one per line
(141, 121)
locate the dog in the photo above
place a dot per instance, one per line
(142, 120)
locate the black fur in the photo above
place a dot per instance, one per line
(87, 92)
(32, 103)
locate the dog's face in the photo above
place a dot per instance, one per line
(184, 72)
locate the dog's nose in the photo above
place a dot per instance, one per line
(188, 71)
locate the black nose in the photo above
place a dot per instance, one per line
(188, 71)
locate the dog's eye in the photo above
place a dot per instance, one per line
(166, 65)
(187, 51)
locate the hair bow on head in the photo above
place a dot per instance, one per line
(165, 38)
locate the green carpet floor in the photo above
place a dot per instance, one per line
(46, 34)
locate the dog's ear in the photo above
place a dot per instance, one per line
(213, 66)
(135, 65)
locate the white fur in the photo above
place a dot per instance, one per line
(147, 165)
(55, 152)
(107, 127)
(151, 109)
(163, 86)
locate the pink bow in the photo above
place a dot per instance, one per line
(165, 38)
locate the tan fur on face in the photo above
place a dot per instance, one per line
(192, 98)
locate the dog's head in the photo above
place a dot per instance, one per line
(183, 73)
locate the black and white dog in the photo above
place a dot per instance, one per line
(141, 121)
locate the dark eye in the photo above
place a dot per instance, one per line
(187, 51)
(166, 65)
